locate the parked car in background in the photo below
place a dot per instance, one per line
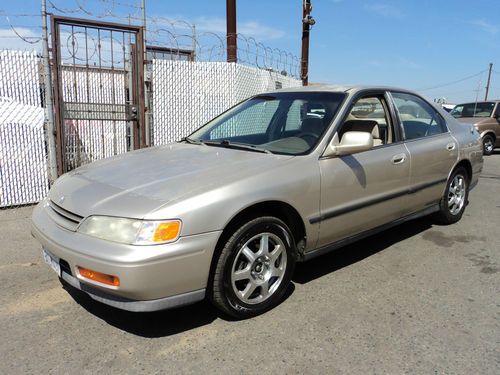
(485, 116)
(448, 107)
(280, 178)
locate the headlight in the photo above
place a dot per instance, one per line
(131, 231)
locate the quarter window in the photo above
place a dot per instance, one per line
(418, 118)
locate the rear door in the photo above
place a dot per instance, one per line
(433, 151)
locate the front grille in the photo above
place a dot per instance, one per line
(64, 218)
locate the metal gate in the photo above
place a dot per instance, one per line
(98, 70)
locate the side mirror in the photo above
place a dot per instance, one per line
(351, 143)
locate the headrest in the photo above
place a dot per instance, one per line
(368, 126)
(312, 125)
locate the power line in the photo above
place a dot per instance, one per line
(451, 83)
(23, 26)
(2, 13)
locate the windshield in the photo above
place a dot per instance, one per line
(284, 123)
(483, 109)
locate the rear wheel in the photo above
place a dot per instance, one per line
(488, 144)
(455, 198)
(254, 268)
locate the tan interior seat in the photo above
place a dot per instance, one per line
(369, 126)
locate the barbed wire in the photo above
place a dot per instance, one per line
(176, 34)
(183, 35)
(211, 46)
(26, 39)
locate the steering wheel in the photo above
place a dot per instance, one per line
(309, 137)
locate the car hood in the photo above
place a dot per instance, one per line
(137, 183)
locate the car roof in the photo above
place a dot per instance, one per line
(481, 101)
(341, 88)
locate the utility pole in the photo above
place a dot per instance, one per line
(49, 104)
(488, 84)
(231, 31)
(307, 22)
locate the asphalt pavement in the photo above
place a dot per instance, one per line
(416, 299)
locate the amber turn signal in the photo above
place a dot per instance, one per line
(99, 277)
(167, 231)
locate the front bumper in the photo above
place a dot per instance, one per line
(132, 305)
(151, 277)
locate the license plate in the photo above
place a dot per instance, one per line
(54, 264)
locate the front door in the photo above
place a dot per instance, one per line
(367, 189)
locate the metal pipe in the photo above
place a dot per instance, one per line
(147, 122)
(49, 104)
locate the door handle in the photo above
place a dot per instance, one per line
(398, 159)
(450, 146)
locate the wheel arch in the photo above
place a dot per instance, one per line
(279, 209)
(466, 164)
(490, 133)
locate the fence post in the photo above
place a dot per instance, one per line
(49, 107)
(147, 115)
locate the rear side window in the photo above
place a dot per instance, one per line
(418, 118)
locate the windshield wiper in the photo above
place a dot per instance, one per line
(236, 146)
(190, 141)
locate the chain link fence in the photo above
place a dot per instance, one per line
(186, 95)
(187, 84)
(183, 96)
(23, 158)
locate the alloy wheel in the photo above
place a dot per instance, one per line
(456, 194)
(488, 145)
(259, 268)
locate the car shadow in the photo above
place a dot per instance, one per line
(154, 324)
(357, 251)
(170, 322)
(147, 324)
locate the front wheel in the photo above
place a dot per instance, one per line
(254, 268)
(455, 198)
(488, 145)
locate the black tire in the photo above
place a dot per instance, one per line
(488, 145)
(222, 289)
(446, 214)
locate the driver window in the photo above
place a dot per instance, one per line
(369, 114)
